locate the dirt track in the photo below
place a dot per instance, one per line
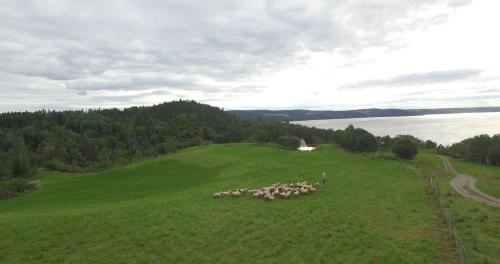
(466, 186)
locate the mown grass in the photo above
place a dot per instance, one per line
(477, 224)
(162, 211)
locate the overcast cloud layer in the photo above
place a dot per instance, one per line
(249, 54)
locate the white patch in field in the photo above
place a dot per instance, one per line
(306, 148)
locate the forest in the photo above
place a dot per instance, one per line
(85, 141)
(482, 149)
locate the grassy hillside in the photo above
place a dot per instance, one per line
(477, 224)
(162, 211)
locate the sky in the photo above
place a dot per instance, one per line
(311, 54)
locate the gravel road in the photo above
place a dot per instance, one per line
(466, 186)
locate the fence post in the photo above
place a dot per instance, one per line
(447, 214)
(448, 220)
(454, 230)
(462, 255)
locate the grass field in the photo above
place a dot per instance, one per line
(478, 224)
(162, 211)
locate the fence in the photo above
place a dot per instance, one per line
(448, 216)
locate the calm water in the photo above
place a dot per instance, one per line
(443, 129)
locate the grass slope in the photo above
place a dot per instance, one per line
(477, 224)
(161, 211)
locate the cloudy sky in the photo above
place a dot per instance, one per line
(308, 54)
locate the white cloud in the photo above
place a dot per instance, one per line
(248, 54)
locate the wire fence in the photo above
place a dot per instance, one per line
(448, 216)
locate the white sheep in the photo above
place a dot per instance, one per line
(274, 190)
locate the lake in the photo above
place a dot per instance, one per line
(443, 129)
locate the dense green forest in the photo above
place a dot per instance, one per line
(483, 149)
(78, 141)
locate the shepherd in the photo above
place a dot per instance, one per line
(323, 178)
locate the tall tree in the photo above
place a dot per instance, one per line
(20, 162)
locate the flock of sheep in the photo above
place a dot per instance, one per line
(275, 190)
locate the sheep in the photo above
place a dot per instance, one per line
(285, 190)
(269, 197)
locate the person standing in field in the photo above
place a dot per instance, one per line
(323, 178)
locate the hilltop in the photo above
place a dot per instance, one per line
(92, 140)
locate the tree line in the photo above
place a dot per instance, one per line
(360, 140)
(84, 141)
(482, 149)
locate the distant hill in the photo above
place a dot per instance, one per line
(298, 115)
